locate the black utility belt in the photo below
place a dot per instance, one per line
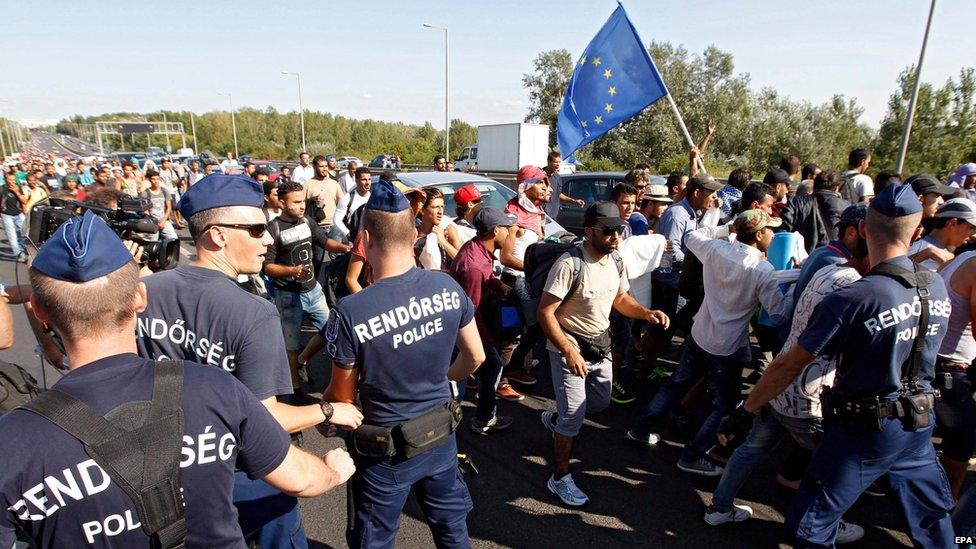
(912, 408)
(593, 349)
(411, 438)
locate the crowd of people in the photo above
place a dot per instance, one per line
(847, 301)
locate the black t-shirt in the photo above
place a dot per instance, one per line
(293, 246)
(51, 489)
(202, 315)
(53, 182)
(400, 332)
(11, 204)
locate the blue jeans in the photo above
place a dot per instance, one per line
(489, 374)
(723, 379)
(380, 488)
(267, 516)
(293, 306)
(768, 429)
(846, 463)
(13, 225)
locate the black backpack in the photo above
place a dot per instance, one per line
(334, 279)
(17, 387)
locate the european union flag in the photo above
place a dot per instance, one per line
(613, 81)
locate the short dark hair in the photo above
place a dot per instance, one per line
(104, 196)
(362, 170)
(808, 171)
(268, 187)
(826, 180)
(432, 193)
(754, 192)
(621, 189)
(248, 165)
(439, 157)
(317, 158)
(790, 163)
(151, 173)
(262, 171)
(643, 166)
(884, 179)
(635, 175)
(551, 156)
(856, 157)
(740, 178)
(289, 187)
(674, 179)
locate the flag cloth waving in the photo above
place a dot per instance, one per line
(614, 80)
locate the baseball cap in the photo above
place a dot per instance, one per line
(923, 183)
(958, 208)
(897, 201)
(466, 194)
(656, 193)
(330, 157)
(81, 249)
(753, 221)
(606, 213)
(776, 175)
(705, 181)
(528, 175)
(490, 217)
(852, 215)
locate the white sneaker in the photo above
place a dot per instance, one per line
(650, 440)
(848, 532)
(549, 420)
(739, 513)
(567, 490)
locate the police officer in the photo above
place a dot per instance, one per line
(878, 414)
(86, 287)
(197, 312)
(392, 347)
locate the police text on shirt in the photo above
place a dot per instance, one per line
(896, 315)
(401, 316)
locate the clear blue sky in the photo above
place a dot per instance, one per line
(373, 58)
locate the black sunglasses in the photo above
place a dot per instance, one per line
(256, 230)
(609, 231)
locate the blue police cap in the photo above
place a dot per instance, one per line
(82, 249)
(384, 196)
(218, 190)
(896, 201)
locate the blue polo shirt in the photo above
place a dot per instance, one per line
(870, 325)
(676, 222)
(60, 497)
(400, 333)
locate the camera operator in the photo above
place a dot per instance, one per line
(130, 419)
(197, 312)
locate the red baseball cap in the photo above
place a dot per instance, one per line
(529, 175)
(466, 194)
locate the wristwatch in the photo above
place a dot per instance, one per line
(327, 410)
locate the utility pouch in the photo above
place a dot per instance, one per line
(917, 410)
(593, 349)
(373, 441)
(426, 432)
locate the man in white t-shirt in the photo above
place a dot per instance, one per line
(303, 171)
(856, 186)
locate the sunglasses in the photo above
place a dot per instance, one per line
(256, 230)
(609, 231)
(641, 187)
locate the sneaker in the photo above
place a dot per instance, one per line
(702, 466)
(497, 423)
(549, 420)
(621, 395)
(521, 377)
(848, 532)
(567, 490)
(505, 391)
(739, 513)
(649, 440)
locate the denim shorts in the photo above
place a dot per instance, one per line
(293, 306)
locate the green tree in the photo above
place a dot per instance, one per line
(547, 85)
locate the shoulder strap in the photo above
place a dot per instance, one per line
(918, 279)
(152, 482)
(576, 254)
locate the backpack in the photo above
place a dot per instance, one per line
(334, 279)
(17, 387)
(847, 190)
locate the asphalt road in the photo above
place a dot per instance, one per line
(637, 496)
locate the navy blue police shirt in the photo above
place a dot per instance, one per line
(400, 334)
(202, 315)
(52, 490)
(870, 326)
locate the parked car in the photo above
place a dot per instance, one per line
(589, 186)
(344, 161)
(493, 193)
(384, 161)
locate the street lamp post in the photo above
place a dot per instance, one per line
(907, 132)
(447, 121)
(233, 121)
(301, 108)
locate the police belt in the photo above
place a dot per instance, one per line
(411, 438)
(912, 408)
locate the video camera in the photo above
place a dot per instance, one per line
(130, 221)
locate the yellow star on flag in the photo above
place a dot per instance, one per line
(596, 61)
(598, 119)
(608, 107)
(583, 61)
(583, 123)
(612, 91)
(607, 73)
